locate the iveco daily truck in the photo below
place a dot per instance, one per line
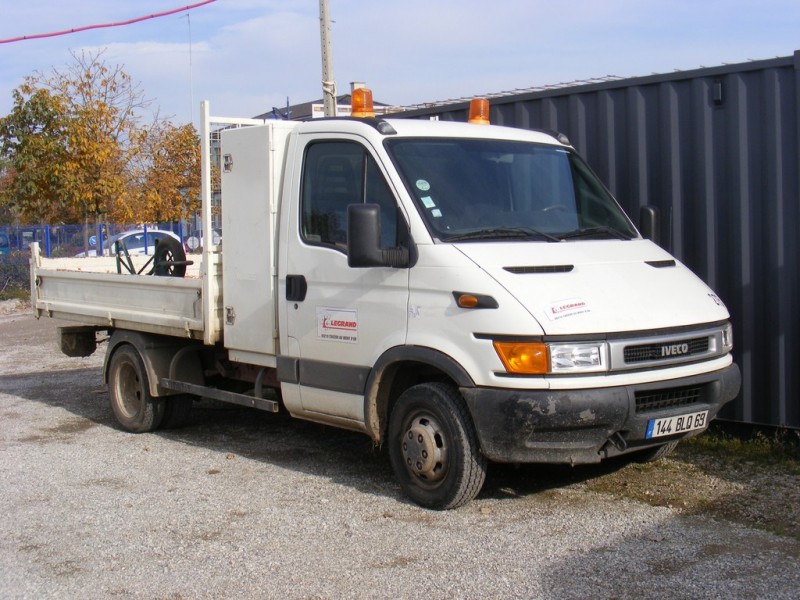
(461, 293)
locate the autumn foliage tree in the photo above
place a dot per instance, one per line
(74, 148)
(166, 172)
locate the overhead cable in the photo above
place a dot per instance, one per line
(105, 25)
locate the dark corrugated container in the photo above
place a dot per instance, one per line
(716, 150)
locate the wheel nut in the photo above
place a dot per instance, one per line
(424, 454)
(419, 438)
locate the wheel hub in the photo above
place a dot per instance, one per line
(424, 450)
(129, 390)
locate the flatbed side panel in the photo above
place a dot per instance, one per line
(166, 305)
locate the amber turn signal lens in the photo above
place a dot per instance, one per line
(524, 358)
(361, 103)
(467, 301)
(479, 111)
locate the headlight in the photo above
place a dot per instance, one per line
(539, 358)
(572, 358)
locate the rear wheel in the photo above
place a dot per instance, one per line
(129, 391)
(177, 410)
(433, 447)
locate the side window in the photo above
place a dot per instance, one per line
(377, 192)
(337, 174)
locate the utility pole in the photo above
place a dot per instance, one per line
(328, 82)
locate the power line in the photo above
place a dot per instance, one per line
(105, 25)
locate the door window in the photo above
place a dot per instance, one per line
(337, 174)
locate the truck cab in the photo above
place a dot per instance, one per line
(463, 293)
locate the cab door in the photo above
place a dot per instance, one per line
(339, 319)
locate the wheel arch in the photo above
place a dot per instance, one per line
(162, 357)
(398, 369)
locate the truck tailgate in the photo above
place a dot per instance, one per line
(163, 305)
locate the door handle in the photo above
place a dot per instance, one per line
(296, 288)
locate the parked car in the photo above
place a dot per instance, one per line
(134, 241)
(195, 241)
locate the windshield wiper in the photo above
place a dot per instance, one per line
(595, 231)
(502, 233)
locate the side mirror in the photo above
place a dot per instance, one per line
(364, 240)
(650, 223)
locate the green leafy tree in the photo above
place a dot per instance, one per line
(33, 145)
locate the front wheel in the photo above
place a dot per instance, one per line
(433, 447)
(657, 453)
(134, 408)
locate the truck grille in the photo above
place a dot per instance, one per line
(666, 351)
(654, 400)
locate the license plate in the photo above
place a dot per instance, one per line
(672, 425)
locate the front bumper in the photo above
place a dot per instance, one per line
(588, 425)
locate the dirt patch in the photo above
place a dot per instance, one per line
(10, 307)
(703, 481)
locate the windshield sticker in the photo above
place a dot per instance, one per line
(436, 213)
(427, 202)
(337, 324)
(422, 185)
(567, 308)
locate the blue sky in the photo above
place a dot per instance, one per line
(250, 55)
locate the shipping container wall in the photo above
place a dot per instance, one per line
(716, 150)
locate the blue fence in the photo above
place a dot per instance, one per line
(69, 240)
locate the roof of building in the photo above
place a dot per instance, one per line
(305, 110)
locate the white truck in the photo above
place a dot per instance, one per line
(461, 293)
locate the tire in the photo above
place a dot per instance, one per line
(433, 447)
(177, 410)
(654, 454)
(168, 251)
(128, 389)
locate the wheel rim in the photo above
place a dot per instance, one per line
(129, 390)
(424, 448)
(169, 258)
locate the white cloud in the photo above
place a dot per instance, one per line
(248, 55)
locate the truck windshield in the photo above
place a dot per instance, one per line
(472, 189)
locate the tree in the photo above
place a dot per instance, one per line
(7, 213)
(167, 172)
(33, 145)
(104, 107)
(74, 149)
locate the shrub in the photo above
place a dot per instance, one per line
(15, 275)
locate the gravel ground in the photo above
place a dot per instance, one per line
(244, 504)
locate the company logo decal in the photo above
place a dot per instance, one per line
(337, 324)
(566, 308)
